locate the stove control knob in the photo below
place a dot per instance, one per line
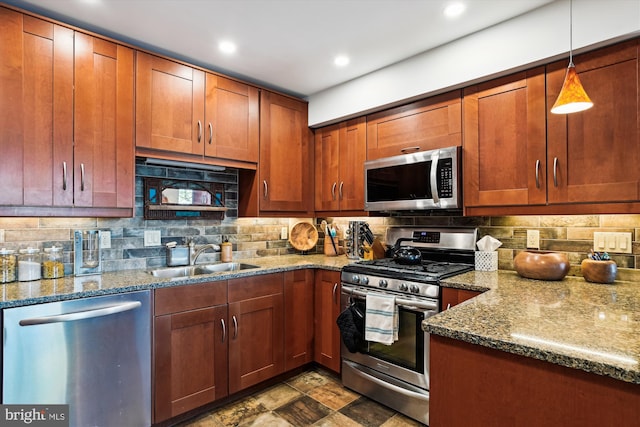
(365, 280)
(383, 283)
(403, 287)
(355, 278)
(414, 289)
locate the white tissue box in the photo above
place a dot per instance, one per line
(486, 261)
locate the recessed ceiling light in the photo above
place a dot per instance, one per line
(227, 47)
(454, 10)
(341, 60)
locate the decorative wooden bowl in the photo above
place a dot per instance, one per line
(541, 265)
(599, 271)
(303, 236)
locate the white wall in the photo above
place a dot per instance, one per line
(535, 38)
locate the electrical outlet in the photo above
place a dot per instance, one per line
(284, 232)
(152, 238)
(533, 239)
(105, 239)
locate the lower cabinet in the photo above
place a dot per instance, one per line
(298, 318)
(451, 296)
(327, 309)
(189, 348)
(256, 338)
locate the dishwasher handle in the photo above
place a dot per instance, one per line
(80, 315)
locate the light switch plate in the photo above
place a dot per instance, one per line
(612, 242)
(152, 238)
(105, 239)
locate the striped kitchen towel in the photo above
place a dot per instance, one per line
(381, 319)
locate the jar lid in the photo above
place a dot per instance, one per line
(5, 251)
(53, 249)
(30, 251)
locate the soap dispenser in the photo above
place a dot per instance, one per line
(226, 251)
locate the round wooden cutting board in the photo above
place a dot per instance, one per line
(303, 236)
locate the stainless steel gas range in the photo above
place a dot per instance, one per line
(397, 375)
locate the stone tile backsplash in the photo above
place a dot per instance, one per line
(257, 237)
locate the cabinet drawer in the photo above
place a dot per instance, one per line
(255, 286)
(190, 297)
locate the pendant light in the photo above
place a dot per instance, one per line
(572, 97)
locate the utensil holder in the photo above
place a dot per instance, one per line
(599, 271)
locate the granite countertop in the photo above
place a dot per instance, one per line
(573, 323)
(17, 294)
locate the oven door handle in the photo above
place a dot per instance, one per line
(384, 384)
(426, 304)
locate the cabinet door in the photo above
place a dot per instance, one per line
(432, 123)
(256, 325)
(327, 148)
(36, 111)
(504, 145)
(169, 105)
(285, 157)
(103, 170)
(327, 309)
(190, 351)
(353, 153)
(452, 297)
(298, 318)
(593, 155)
(231, 119)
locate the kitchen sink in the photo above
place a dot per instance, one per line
(196, 270)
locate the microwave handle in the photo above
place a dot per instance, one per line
(435, 157)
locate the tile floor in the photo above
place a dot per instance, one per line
(313, 398)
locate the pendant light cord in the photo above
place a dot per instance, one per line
(571, 33)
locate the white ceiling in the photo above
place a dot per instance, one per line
(287, 45)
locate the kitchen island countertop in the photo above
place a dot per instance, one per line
(572, 323)
(17, 294)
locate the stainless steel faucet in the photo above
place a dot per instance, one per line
(194, 252)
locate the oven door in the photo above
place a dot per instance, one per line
(407, 358)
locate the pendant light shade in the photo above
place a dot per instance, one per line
(572, 97)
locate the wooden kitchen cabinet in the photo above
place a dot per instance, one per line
(327, 309)
(432, 123)
(283, 183)
(593, 156)
(451, 296)
(189, 347)
(340, 153)
(184, 113)
(256, 330)
(67, 121)
(505, 142)
(298, 318)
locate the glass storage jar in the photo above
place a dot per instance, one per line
(52, 266)
(8, 266)
(29, 267)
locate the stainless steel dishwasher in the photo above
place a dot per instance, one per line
(93, 354)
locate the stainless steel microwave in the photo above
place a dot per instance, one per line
(424, 180)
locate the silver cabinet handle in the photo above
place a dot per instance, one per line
(555, 171)
(81, 315)
(199, 131)
(448, 306)
(210, 133)
(64, 176)
(224, 330)
(266, 188)
(81, 176)
(235, 327)
(335, 293)
(333, 190)
(433, 176)
(537, 173)
(407, 149)
(340, 191)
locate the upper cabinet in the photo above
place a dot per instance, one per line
(432, 123)
(187, 114)
(593, 156)
(504, 141)
(283, 184)
(340, 153)
(66, 117)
